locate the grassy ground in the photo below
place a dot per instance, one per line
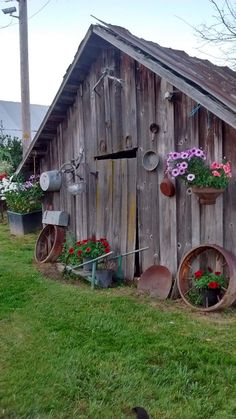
(68, 352)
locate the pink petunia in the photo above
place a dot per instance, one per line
(175, 172)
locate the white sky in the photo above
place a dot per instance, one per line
(56, 31)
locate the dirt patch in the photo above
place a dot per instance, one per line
(54, 272)
(49, 270)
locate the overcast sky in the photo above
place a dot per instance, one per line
(56, 28)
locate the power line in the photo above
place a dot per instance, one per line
(9, 24)
(36, 13)
(40, 9)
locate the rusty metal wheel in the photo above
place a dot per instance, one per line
(49, 244)
(203, 257)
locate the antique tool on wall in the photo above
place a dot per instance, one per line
(166, 186)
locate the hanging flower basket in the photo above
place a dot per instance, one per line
(207, 180)
(207, 196)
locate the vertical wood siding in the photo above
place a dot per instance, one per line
(121, 196)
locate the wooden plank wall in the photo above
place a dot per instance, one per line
(148, 214)
(116, 207)
(121, 196)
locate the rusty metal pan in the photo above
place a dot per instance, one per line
(157, 279)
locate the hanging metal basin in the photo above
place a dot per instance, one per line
(150, 160)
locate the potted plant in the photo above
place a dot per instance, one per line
(210, 285)
(91, 249)
(24, 204)
(78, 252)
(104, 273)
(207, 181)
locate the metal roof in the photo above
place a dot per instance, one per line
(218, 81)
(10, 118)
(211, 86)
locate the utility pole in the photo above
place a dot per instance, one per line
(24, 72)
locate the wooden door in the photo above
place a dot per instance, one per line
(116, 207)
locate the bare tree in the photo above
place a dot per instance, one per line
(222, 32)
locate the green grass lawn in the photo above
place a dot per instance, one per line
(69, 352)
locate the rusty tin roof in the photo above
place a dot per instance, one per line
(209, 85)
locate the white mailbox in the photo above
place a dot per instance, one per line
(57, 218)
(50, 181)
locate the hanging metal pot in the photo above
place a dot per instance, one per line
(76, 188)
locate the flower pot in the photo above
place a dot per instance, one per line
(21, 224)
(89, 266)
(207, 196)
(210, 296)
(104, 277)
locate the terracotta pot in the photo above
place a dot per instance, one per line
(207, 196)
(167, 187)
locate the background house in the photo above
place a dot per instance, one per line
(117, 87)
(10, 118)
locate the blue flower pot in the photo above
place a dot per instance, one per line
(21, 224)
(104, 277)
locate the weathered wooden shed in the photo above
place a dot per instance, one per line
(116, 88)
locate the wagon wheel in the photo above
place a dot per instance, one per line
(204, 257)
(49, 244)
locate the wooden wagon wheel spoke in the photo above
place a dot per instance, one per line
(190, 289)
(49, 244)
(189, 266)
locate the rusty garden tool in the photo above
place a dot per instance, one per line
(157, 279)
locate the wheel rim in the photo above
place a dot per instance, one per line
(201, 257)
(49, 244)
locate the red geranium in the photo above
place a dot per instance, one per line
(213, 285)
(91, 248)
(3, 176)
(217, 273)
(198, 274)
